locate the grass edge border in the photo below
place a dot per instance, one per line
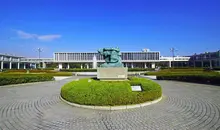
(110, 108)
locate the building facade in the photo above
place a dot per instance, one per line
(207, 59)
(67, 60)
(129, 59)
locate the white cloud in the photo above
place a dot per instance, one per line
(48, 37)
(25, 35)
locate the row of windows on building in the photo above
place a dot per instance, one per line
(89, 56)
(205, 56)
(8, 58)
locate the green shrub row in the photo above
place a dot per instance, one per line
(193, 68)
(41, 71)
(140, 69)
(78, 70)
(17, 79)
(50, 74)
(110, 93)
(30, 71)
(95, 70)
(216, 68)
(196, 78)
(181, 72)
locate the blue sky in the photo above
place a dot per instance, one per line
(191, 26)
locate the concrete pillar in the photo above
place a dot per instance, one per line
(24, 65)
(210, 63)
(219, 63)
(10, 65)
(81, 66)
(170, 64)
(35, 65)
(126, 64)
(153, 65)
(60, 66)
(202, 63)
(44, 65)
(94, 63)
(145, 65)
(2, 65)
(132, 65)
(18, 65)
(87, 66)
(68, 66)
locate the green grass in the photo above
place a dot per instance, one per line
(110, 93)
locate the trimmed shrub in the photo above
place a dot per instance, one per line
(175, 68)
(212, 78)
(140, 69)
(23, 78)
(79, 70)
(50, 74)
(180, 72)
(216, 68)
(95, 70)
(110, 93)
(15, 70)
(41, 71)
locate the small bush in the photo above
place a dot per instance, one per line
(110, 93)
(23, 78)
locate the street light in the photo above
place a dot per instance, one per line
(173, 53)
(39, 51)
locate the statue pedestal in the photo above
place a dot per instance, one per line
(112, 73)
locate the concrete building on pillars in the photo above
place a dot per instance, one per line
(207, 59)
(66, 60)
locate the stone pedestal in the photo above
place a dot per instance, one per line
(112, 73)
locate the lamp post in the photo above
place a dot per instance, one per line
(173, 53)
(39, 51)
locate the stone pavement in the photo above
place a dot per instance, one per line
(185, 106)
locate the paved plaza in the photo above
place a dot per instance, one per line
(37, 106)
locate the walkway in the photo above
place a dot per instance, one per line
(37, 106)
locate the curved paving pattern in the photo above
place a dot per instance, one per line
(37, 106)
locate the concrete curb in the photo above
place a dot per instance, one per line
(111, 108)
(153, 77)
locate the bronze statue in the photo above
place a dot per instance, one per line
(112, 57)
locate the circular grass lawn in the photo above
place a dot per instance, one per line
(110, 93)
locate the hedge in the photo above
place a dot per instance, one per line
(50, 74)
(140, 69)
(24, 78)
(196, 78)
(181, 72)
(95, 70)
(216, 68)
(78, 70)
(110, 93)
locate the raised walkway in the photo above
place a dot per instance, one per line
(37, 106)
